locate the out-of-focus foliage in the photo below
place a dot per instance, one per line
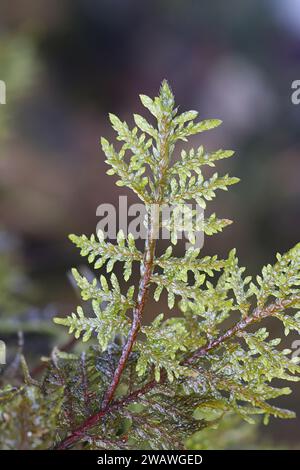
(229, 433)
(185, 373)
(17, 293)
(17, 67)
(10, 280)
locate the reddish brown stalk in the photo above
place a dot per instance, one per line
(240, 326)
(136, 323)
(146, 273)
(257, 315)
(146, 268)
(93, 420)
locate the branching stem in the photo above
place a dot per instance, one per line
(146, 267)
(257, 315)
(146, 273)
(136, 323)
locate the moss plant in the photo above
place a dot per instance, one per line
(159, 383)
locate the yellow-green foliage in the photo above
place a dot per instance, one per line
(183, 373)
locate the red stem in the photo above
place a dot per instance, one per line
(136, 323)
(146, 273)
(147, 265)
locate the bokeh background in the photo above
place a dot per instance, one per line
(67, 63)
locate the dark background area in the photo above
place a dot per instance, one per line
(68, 63)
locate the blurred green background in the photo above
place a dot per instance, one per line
(67, 63)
